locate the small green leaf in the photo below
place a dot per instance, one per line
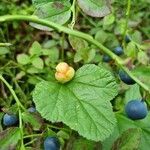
(4, 50)
(87, 99)
(77, 43)
(35, 49)
(63, 134)
(33, 70)
(143, 73)
(95, 8)
(33, 119)
(137, 37)
(108, 20)
(129, 140)
(23, 59)
(133, 93)
(101, 36)
(131, 50)
(38, 63)
(143, 58)
(9, 138)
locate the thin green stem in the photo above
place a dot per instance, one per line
(73, 9)
(62, 46)
(21, 128)
(5, 44)
(32, 135)
(29, 143)
(79, 34)
(127, 20)
(19, 107)
(12, 92)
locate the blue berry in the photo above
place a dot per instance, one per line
(127, 39)
(10, 119)
(136, 109)
(118, 50)
(51, 143)
(31, 109)
(106, 58)
(125, 77)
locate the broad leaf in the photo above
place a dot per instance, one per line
(82, 104)
(58, 12)
(95, 8)
(9, 138)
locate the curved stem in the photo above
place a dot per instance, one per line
(79, 34)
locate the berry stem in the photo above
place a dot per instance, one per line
(79, 34)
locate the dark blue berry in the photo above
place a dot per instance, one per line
(106, 58)
(31, 109)
(118, 50)
(51, 143)
(125, 77)
(136, 109)
(127, 39)
(10, 119)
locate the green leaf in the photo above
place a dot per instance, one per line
(35, 49)
(143, 58)
(38, 3)
(123, 124)
(38, 63)
(84, 144)
(101, 36)
(108, 20)
(4, 50)
(58, 12)
(143, 73)
(33, 119)
(119, 29)
(132, 93)
(137, 37)
(23, 59)
(9, 138)
(129, 140)
(82, 104)
(131, 50)
(95, 8)
(53, 54)
(63, 134)
(77, 43)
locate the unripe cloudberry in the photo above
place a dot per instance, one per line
(64, 72)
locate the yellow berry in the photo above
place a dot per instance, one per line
(64, 72)
(62, 67)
